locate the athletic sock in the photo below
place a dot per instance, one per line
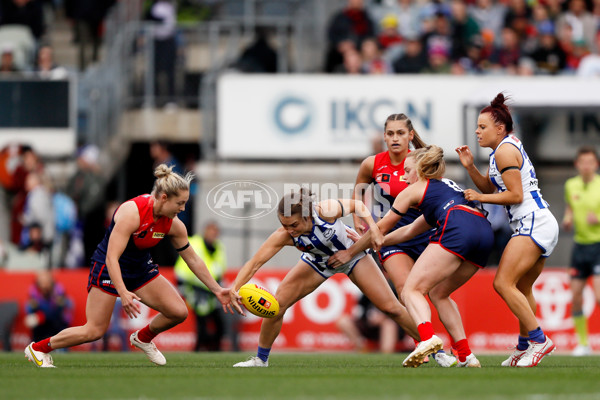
(425, 330)
(263, 353)
(463, 349)
(581, 328)
(523, 343)
(43, 346)
(145, 335)
(537, 335)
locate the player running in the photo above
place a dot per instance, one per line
(122, 266)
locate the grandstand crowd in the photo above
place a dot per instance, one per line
(495, 37)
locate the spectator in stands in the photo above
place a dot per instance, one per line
(407, 13)
(352, 63)
(489, 15)
(464, 30)
(506, 55)
(28, 162)
(48, 310)
(7, 61)
(209, 321)
(583, 25)
(519, 18)
(86, 188)
(259, 56)
(38, 213)
(347, 29)
(590, 64)
(414, 59)
(46, 67)
(24, 12)
(372, 61)
(389, 36)
(549, 57)
(164, 13)
(438, 60)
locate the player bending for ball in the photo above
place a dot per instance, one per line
(122, 266)
(316, 231)
(459, 247)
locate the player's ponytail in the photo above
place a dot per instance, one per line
(499, 112)
(429, 162)
(170, 182)
(297, 202)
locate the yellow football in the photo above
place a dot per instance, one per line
(259, 301)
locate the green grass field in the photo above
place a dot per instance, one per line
(291, 376)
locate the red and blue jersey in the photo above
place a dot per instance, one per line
(136, 256)
(440, 196)
(388, 182)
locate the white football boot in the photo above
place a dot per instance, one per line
(149, 348)
(425, 348)
(444, 359)
(40, 359)
(514, 358)
(470, 362)
(535, 352)
(252, 362)
(581, 351)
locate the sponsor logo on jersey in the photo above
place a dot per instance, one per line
(448, 204)
(304, 247)
(382, 167)
(328, 234)
(382, 178)
(158, 235)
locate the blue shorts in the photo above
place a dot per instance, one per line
(99, 278)
(412, 248)
(467, 234)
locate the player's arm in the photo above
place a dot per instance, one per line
(127, 221)
(363, 180)
(179, 239)
(483, 182)
(407, 232)
(269, 248)
(409, 196)
(509, 161)
(330, 210)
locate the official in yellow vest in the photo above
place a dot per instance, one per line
(196, 294)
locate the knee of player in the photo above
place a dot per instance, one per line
(93, 333)
(180, 313)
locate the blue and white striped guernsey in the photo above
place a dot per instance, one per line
(324, 240)
(532, 196)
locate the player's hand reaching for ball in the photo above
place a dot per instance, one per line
(229, 301)
(131, 308)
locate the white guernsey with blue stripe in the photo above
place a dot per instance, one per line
(532, 197)
(325, 240)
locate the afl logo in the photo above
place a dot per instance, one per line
(292, 115)
(242, 199)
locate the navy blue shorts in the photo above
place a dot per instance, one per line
(99, 278)
(412, 248)
(467, 234)
(585, 260)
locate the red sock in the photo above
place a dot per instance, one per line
(462, 346)
(43, 346)
(425, 331)
(146, 335)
